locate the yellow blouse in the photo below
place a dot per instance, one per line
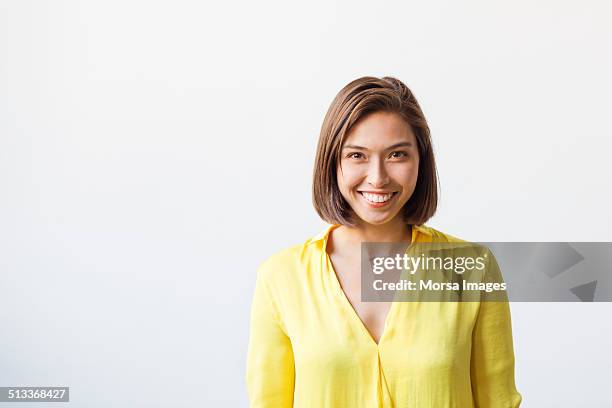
(309, 349)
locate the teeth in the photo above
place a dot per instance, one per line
(377, 198)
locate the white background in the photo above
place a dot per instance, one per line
(152, 154)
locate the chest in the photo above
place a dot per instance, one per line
(372, 314)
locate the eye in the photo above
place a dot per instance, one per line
(398, 155)
(354, 155)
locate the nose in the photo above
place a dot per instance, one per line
(377, 174)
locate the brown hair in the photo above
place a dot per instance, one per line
(356, 100)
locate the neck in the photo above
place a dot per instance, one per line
(393, 231)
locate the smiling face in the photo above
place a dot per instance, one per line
(378, 168)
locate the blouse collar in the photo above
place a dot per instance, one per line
(416, 229)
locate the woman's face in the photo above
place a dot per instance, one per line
(379, 167)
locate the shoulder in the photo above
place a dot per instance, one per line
(281, 259)
(466, 248)
(287, 263)
(438, 236)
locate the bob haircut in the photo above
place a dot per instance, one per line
(355, 101)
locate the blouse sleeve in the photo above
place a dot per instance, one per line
(492, 362)
(270, 366)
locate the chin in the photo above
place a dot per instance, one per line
(376, 220)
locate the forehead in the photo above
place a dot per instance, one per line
(379, 130)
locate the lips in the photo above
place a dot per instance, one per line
(377, 199)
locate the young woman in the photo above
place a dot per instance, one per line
(313, 342)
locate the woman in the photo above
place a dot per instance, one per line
(313, 342)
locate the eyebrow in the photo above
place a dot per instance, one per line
(395, 146)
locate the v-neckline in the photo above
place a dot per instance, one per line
(347, 304)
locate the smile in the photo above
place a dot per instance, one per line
(377, 198)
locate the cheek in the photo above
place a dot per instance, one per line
(407, 176)
(348, 178)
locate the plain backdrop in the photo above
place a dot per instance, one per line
(154, 153)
